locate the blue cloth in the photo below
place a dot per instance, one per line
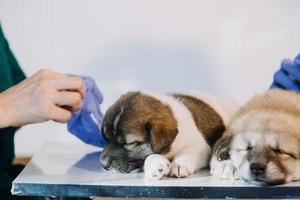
(288, 76)
(86, 123)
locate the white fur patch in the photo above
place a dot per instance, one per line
(156, 167)
(224, 169)
(117, 119)
(189, 148)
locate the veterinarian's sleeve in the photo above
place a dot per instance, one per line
(10, 75)
(17, 74)
(10, 71)
(86, 123)
(288, 76)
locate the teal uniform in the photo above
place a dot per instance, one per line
(10, 74)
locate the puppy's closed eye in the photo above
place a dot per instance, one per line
(130, 146)
(245, 149)
(280, 152)
(132, 141)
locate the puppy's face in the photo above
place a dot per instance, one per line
(266, 158)
(135, 126)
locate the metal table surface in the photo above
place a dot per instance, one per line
(73, 170)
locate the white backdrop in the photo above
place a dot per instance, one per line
(224, 47)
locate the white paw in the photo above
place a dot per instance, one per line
(179, 171)
(225, 170)
(156, 167)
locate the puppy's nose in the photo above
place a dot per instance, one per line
(257, 168)
(105, 162)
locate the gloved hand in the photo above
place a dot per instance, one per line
(288, 76)
(86, 123)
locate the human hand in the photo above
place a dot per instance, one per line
(288, 76)
(44, 96)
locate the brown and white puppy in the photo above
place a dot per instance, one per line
(262, 141)
(171, 134)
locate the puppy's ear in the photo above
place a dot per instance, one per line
(161, 135)
(222, 147)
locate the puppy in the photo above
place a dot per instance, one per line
(170, 135)
(262, 143)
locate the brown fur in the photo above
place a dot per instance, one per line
(208, 121)
(145, 114)
(266, 112)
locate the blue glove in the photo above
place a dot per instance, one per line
(288, 76)
(86, 123)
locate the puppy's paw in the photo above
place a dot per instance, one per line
(179, 170)
(225, 170)
(156, 167)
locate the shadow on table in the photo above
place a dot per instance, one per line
(90, 162)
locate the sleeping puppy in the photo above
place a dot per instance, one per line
(262, 141)
(166, 135)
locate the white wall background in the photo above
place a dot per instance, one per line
(227, 47)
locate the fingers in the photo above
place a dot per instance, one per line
(59, 114)
(288, 77)
(70, 84)
(282, 79)
(66, 93)
(70, 100)
(59, 81)
(289, 68)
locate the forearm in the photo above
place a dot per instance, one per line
(6, 117)
(3, 123)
